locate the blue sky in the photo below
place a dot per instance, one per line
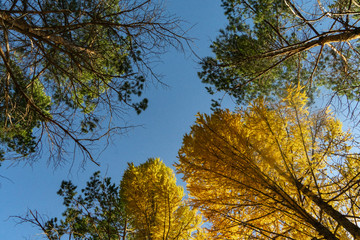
(169, 116)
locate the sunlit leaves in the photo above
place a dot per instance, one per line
(247, 170)
(155, 203)
(146, 205)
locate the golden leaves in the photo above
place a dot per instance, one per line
(247, 170)
(155, 203)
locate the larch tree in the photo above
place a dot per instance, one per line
(271, 42)
(70, 67)
(147, 204)
(273, 171)
(155, 204)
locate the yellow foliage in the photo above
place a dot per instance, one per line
(155, 203)
(247, 171)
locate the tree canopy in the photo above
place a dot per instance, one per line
(273, 170)
(269, 43)
(155, 203)
(69, 67)
(146, 205)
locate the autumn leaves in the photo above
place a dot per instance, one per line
(155, 203)
(277, 168)
(272, 170)
(147, 204)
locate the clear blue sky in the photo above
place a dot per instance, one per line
(169, 116)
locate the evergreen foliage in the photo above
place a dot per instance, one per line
(146, 205)
(268, 44)
(68, 67)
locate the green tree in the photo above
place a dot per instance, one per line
(154, 203)
(268, 43)
(146, 205)
(95, 213)
(69, 67)
(273, 171)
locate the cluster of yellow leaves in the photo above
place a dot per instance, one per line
(155, 203)
(246, 171)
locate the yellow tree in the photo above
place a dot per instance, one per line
(273, 170)
(154, 203)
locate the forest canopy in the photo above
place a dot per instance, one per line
(273, 170)
(147, 204)
(269, 43)
(277, 166)
(70, 70)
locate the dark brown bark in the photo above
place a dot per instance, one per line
(352, 228)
